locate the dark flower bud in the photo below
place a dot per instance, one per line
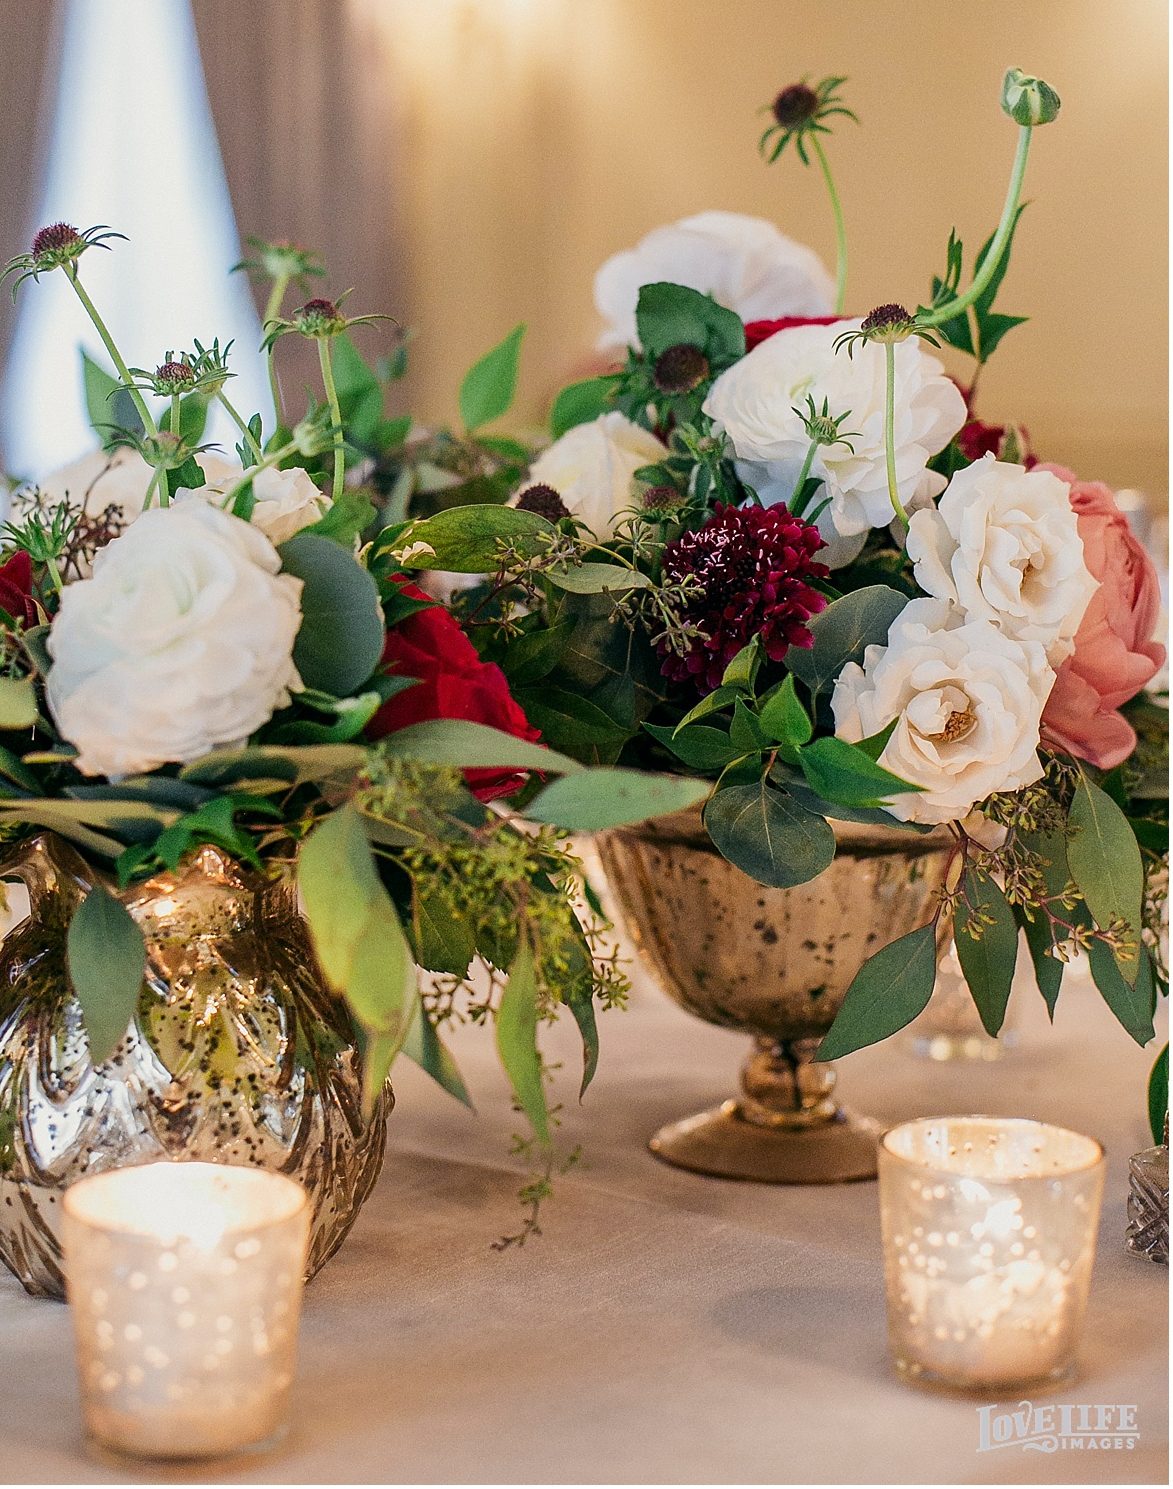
(58, 239)
(795, 105)
(176, 377)
(680, 369)
(543, 501)
(319, 318)
(887, 323)
(662, 501)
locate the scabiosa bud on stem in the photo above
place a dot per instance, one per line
(796, 105)
(662, 501)
(543, 501)
(319, 318)
(1028, 100)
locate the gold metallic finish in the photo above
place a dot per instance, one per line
(237, 1053)
(776, 964)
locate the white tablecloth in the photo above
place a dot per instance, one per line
(666, 1327)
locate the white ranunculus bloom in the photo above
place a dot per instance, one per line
(967, 702)
(286, 500)
(745, 263)
(592, 465)
(1003, 545)
(755, 402)
(181, 641)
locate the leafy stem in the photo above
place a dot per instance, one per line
(116, 357)
(840, 226)
(794, 503)
(989, 264)
(335, 413)
(890, 429)
(246, 432)
(272, 311)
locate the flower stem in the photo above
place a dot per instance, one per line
(989, 265)
(272, 311)
(890, 429)
(840, 226)
(175, 414)
(793, 503)
(151, 485)
(91, 310)
(54, 572)
(242, 426)
(275, 457)
(335, 413)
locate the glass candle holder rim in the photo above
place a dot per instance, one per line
(74, 1201)
(1095, 1149)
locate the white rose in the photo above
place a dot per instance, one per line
(1003, 545)
(755, 402)
(967, 701)
(286, 500)
(745, 263)
(591, 468)
(181, 641)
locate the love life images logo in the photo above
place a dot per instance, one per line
(1047, 1428)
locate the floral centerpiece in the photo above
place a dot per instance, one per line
(778, 548)
(202, 654)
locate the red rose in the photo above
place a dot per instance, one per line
(758, 331)
(976, 439)
(16, 588)
(453, 683)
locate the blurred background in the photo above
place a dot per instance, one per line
(468, 164)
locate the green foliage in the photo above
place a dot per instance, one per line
(1159, 1096)
(425, 1047)
(109, 405)
(460, 742)
(1105, 863)
(517, 1023)
(596, 578)
(1133, 1003)
(785, 720)
(768, 835)
(986, 936)
(490, 384)
(348, 517)
(670, 315)
(470, 540)
(844, 773)
(18, 703)
(581, 402)
(980, 336)
(887, 993)
(698, 745)
(593, 800)
(341, 638)
(842, 633)
(107, 960)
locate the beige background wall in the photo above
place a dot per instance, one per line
(534, 137)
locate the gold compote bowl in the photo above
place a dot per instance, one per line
(774, 963)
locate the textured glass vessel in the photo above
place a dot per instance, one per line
(237, 1053)
(776, 964)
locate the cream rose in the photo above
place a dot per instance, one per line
(182, 640)
(286, 500)
(745, 263)
(1003, 545)
(758, 402)
(592, 468)
(966, 699)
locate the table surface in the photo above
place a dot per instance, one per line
(665, 1327)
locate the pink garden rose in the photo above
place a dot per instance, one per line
(1115, 654)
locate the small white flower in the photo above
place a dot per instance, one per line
(412, 551)
(745, 263)
(592, 468)
(966, 699)
(285, 500)
(1003, 545)
(181, 641)
(755, 403)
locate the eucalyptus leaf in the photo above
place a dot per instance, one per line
(341, 639)
(598, 578)
(425, 1047)
(461, 743)
(843, 631)
(1158, 1094)
(767, 835)
(673, 315)
(986, 936)
(468, 539)
(887, 993)
(842, 772)
(1132, 1003)
(715, 702)
(594, 800)
(699, 746)
(517, 1032)
(490, 384)
(1105, 862)
(784, 718)
(18, 703)
(107, 960)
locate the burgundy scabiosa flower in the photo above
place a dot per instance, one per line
(753, 568)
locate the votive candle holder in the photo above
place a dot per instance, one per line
(989, 1228)
(185, 1283)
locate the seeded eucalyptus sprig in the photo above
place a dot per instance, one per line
(800, 113)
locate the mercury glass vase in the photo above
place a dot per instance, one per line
(237, 1053)
(775, 964)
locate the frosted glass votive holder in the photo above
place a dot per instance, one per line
(989, 1229)
(185, 1283)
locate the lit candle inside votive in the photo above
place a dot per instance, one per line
(185, 1283)
(989, 1236)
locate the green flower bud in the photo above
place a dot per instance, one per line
(164, 449)
(1028, 100)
